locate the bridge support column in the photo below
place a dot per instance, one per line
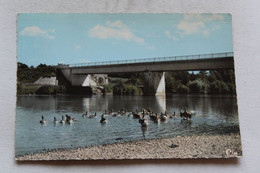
(80, 80)
(154, 83)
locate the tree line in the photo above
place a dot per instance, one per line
(26, 74)
(201, 82)
(204, 82)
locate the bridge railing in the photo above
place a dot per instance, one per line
(160, 59)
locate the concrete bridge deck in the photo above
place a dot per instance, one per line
(153, 68)
(191, 62)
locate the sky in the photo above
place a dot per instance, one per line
(79, 38)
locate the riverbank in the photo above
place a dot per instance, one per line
(204, 146)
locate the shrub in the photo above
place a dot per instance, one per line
(108, 88)
(46, 90)
(197, 86)
(25, 90)
(123, 89)
(231, 88)
(170, 84)
(182, 89)
(61, 90)
(218, 87)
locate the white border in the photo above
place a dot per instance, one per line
(246, 34)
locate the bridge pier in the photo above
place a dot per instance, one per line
(154, 83)
(81, 80)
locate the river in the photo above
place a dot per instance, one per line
(213, 115)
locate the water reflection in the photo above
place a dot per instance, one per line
(144, 129)
(186, 123)
(85, 104)
(161, 101)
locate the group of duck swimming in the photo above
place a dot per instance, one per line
(136, 114)
(158, 118)
(140, 115)
(68, 120)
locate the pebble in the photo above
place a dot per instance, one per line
(150, 149)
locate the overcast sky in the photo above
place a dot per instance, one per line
(79, 38)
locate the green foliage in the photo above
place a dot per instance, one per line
(170, 84)
(182, 76)
(22, 66)
(212, 82)
(108, 88)
(218, 87)
(197, 86)
(182, 89)
(231, 88)
(135, 81)
(126, 89)
(44, 90)
(25, 90)
(61, 90)
(27, 74)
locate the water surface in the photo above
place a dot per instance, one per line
(213, 115)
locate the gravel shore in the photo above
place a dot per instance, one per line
(204, 146)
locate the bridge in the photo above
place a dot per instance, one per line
(153, 68)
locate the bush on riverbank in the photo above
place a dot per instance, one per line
(46, 90)
(197, 86)
(218, 87)
(182, 89)
(126, 89)
(40, 90)
(26, 90)
(108, 89)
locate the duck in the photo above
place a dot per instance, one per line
(69, 119)
(153, 116)
(143, 122)
(145, 111)
(174, 115)
(163, 116)
(93, 116)
(130, 114)
(85, 115)
(62, 121)
(106, 113)
(114, 114)
(157, 119)
(55, 120)
(185, 115)
(149, 110)
(103, 120)
(136, 115)
(43, 121)
(123, 111)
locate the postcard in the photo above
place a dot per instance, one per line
(125, 86)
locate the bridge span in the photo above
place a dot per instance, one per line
(153, 68)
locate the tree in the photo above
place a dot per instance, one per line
(182, 89)
(218, 87)
(22, 66)
(170, 83)
(197, 86)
